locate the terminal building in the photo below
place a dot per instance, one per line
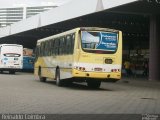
(139, 20)
(9, 16)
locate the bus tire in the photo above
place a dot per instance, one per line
(93, 83)
(57, 77)
(42, 79)
(11, 72)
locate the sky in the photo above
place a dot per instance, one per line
(19, 3)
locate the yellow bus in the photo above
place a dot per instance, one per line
(84, 54)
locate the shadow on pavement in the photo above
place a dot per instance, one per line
(77, 86)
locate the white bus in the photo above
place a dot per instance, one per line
(11, 57)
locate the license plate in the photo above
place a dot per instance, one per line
(97, 69)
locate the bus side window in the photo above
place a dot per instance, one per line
(61, 46)
(49, 48)
(64, 45)
(45, 48)
(53, 47)
(56, 46)
(70, 43)
(42, 49)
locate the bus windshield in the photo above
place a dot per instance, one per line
(99, 41)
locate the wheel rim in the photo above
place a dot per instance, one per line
(58, 81)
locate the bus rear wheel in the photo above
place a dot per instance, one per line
(42, 79)
(57, 77)
(11, 72)
(92, 83)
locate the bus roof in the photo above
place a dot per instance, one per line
(75, 29)
(58, 35)
(10, 45)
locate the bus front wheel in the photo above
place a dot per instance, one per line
(57, 77)
(93, 83)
